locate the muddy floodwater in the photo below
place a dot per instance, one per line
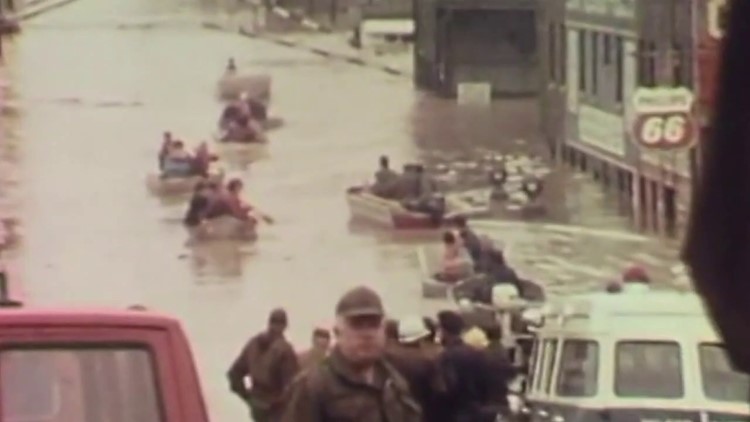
(89, 88)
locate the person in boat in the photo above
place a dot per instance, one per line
(229, 202)
(199, 203)
(470, 240)
(498, 269)
(258, 110)
(231, 114)
(419, 193)
(202, 159)
(231, 67)
(456, 264)
(386, 180)
(178, 162)
(166, 143)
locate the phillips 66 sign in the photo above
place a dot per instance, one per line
(663, 118)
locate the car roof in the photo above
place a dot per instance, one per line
(62, 317)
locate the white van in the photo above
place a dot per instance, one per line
(633, 356)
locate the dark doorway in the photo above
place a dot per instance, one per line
(670, 210)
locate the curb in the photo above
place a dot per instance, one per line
(42, 6)
(347, 58)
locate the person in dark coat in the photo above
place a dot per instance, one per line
(270, 363)
(415, 359)
(502, 371)
(198, 206)
(471, 241)
(355, 383)
(466, 374)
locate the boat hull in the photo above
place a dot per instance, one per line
(177, 185)
(365, 206)
(224, 228)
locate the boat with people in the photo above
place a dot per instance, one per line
(409, 200)
(218, 212)
(448, 271)
(233, 83)
(631, 354)
(180, 170)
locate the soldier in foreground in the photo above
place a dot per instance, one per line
(269, 361)
(354, 383)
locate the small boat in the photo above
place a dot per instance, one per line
(232, 85)
(366, 206)
(159, 185)
(254, 134)
(225, 228)
(429, 264)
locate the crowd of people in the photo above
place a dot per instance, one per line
(176, 161)
(414, 369)
(212, 200)
(450, 369)
(413, 188)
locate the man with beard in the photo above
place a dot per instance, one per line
(354, 383)
(269, 361)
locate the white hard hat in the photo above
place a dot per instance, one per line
(502, 294)
(411, 329)
(465, 304)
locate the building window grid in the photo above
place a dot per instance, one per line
(582, 60)
(594, 63)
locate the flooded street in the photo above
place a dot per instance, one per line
(94, 84)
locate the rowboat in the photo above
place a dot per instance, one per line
(363, 205)
(429, 258)
(254, 134)
(232, 86)
(159, 185)
(224, 228)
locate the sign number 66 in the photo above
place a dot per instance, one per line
(671, 130)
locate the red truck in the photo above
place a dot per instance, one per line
(128, 365)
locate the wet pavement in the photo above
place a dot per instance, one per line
(95, 83)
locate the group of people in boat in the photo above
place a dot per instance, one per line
(213, 200)
(238, 116)
(175, 160)
(479, 264)
(415, 189)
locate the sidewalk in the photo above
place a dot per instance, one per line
(33, 8)
(327, 44)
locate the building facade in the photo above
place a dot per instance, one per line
(488, 41)
(589, 66)
(610, 48)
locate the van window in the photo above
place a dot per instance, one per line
(721, 381)
(579, 369)
(648, 369)
(549, 363)
(78, 384)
